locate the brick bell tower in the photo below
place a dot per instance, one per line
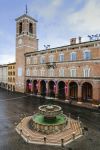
(26, 41)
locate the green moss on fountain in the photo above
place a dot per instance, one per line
(39, 118)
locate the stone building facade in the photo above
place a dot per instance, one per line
(67, 72)
(11, 76)
(4, 76)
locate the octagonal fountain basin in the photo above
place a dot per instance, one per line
(50, 119)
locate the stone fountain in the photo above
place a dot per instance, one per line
(49, 126)
(49, 119)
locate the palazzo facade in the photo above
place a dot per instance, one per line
(67, 72)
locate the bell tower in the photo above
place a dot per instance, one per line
(26, 41)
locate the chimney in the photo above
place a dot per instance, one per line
(79, 39)
(72, 41)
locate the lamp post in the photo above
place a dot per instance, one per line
(47, 47)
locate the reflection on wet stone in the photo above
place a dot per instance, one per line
(12, 111)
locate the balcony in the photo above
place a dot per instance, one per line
(51, 65)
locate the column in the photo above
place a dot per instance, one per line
(56, 90)
(39, 87)
(79, 93)
(96, 93)
(67, 90)
(31, 86)
(47, 88)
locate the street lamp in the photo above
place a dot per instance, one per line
(47, 46)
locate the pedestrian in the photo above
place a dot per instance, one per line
(70, 101)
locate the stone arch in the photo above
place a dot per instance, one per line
(73, 90)
(28, 87)
(35, 87)
(51, 88)
(43, 87)
(61, 90)
(30, 28)
(87, 91)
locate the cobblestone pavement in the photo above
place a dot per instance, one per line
(15, 106)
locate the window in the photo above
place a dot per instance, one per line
(30, 28)
(27, 60)
(28, 72)
(20, 27)
(61, 57)
(73, 56)
(87, 55)
(51, 72)
(73, 72)
(32, 60)
(35, 60)
(13, 73)
(13, 79)
(61, 72)
(86, 72)
(42, 59)
(51, 58)
(42, 72)
(35, 72)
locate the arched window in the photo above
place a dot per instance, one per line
(20, 27)
(30, 27)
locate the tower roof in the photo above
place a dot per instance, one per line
(27, 16)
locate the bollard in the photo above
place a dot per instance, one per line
(20, 131)
(73, 135)
(82, 131)
(78, 119)
(45, 139)
(28, 138)
(62, 142)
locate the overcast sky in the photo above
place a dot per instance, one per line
(58, 21)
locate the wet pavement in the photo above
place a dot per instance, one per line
(14, 106)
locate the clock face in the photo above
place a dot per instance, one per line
(20, 41)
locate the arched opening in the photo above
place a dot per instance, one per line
(28, 86)
(35, 87)
(43, 88)
(61, 90)
(30, 27)
(20, 27)
(87, 91)
(51, 88)
(73, 90)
